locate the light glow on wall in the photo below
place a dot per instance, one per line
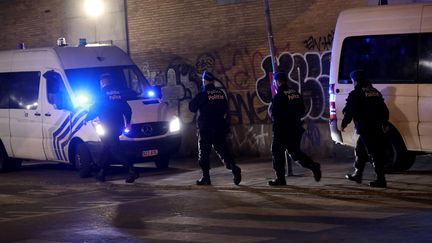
(93, 8)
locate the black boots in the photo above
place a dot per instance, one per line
(236, 175)
(379, 182)
(279, 181)
(355, 176)
(203, 181)
(100, 176)
(316, 170)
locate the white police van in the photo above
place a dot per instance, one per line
(44, 98)
(393, 44)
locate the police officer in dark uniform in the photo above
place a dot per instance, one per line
(365, 105)
(287, 109)
(113, 111)
(213, 128)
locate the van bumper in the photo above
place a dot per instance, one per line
(336, 135)
(142, 151)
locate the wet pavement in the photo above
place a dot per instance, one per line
(49, 203)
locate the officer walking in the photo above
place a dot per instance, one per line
(365, 105)
(112, 110)
(287, 109)
(213, 128)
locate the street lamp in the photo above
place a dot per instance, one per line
(93, 8)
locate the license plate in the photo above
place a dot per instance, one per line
(151, 152)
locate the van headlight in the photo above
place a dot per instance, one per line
(100, 130)
(174, 125)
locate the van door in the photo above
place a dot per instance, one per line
(4, 111)
(25, 115)
(56, 116)
(425, 80)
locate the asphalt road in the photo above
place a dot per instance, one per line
(49, 203)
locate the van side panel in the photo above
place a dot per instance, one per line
(5, 67)
(401, 100)
(380, 20)
(26, 123)
(426, 25)
(425, 91)
(425, 116)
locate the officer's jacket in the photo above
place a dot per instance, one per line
(365, 105)
(212, 106)
(112, 109)
(287, 109)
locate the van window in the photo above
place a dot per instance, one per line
(24, 90)
(56, 91)
(124, 77)
(4, 91)
(425, 65)
(385, 58)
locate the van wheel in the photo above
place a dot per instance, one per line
(398, 158)
(8, 164)
(83, 161)
(162, 162)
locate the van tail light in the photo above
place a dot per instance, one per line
(332, 99)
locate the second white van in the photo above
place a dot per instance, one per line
(393, 44)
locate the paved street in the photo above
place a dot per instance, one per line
(49, 203)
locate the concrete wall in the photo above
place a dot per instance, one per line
(110, 26)
(174, 41)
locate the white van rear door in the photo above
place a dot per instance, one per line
(25, 115)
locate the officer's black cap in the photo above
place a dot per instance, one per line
(282, 76)
(208, 76)
(358, 75)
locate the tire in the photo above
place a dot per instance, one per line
(398, 157)
(83, 161)
(8, 164)
(162, 163)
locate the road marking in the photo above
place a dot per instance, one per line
(254, 224)
(308, 213)
(87, 206)
(200, 237)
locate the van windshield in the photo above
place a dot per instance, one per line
(124, 77)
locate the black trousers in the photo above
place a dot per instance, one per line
(288, 141)
(370, 148)
(217, 139)
(111, 147)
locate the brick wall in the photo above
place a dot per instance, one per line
(161, 31)
(174, 41)
(36, 23)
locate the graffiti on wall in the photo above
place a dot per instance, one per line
(320, 43)
(308, 72)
